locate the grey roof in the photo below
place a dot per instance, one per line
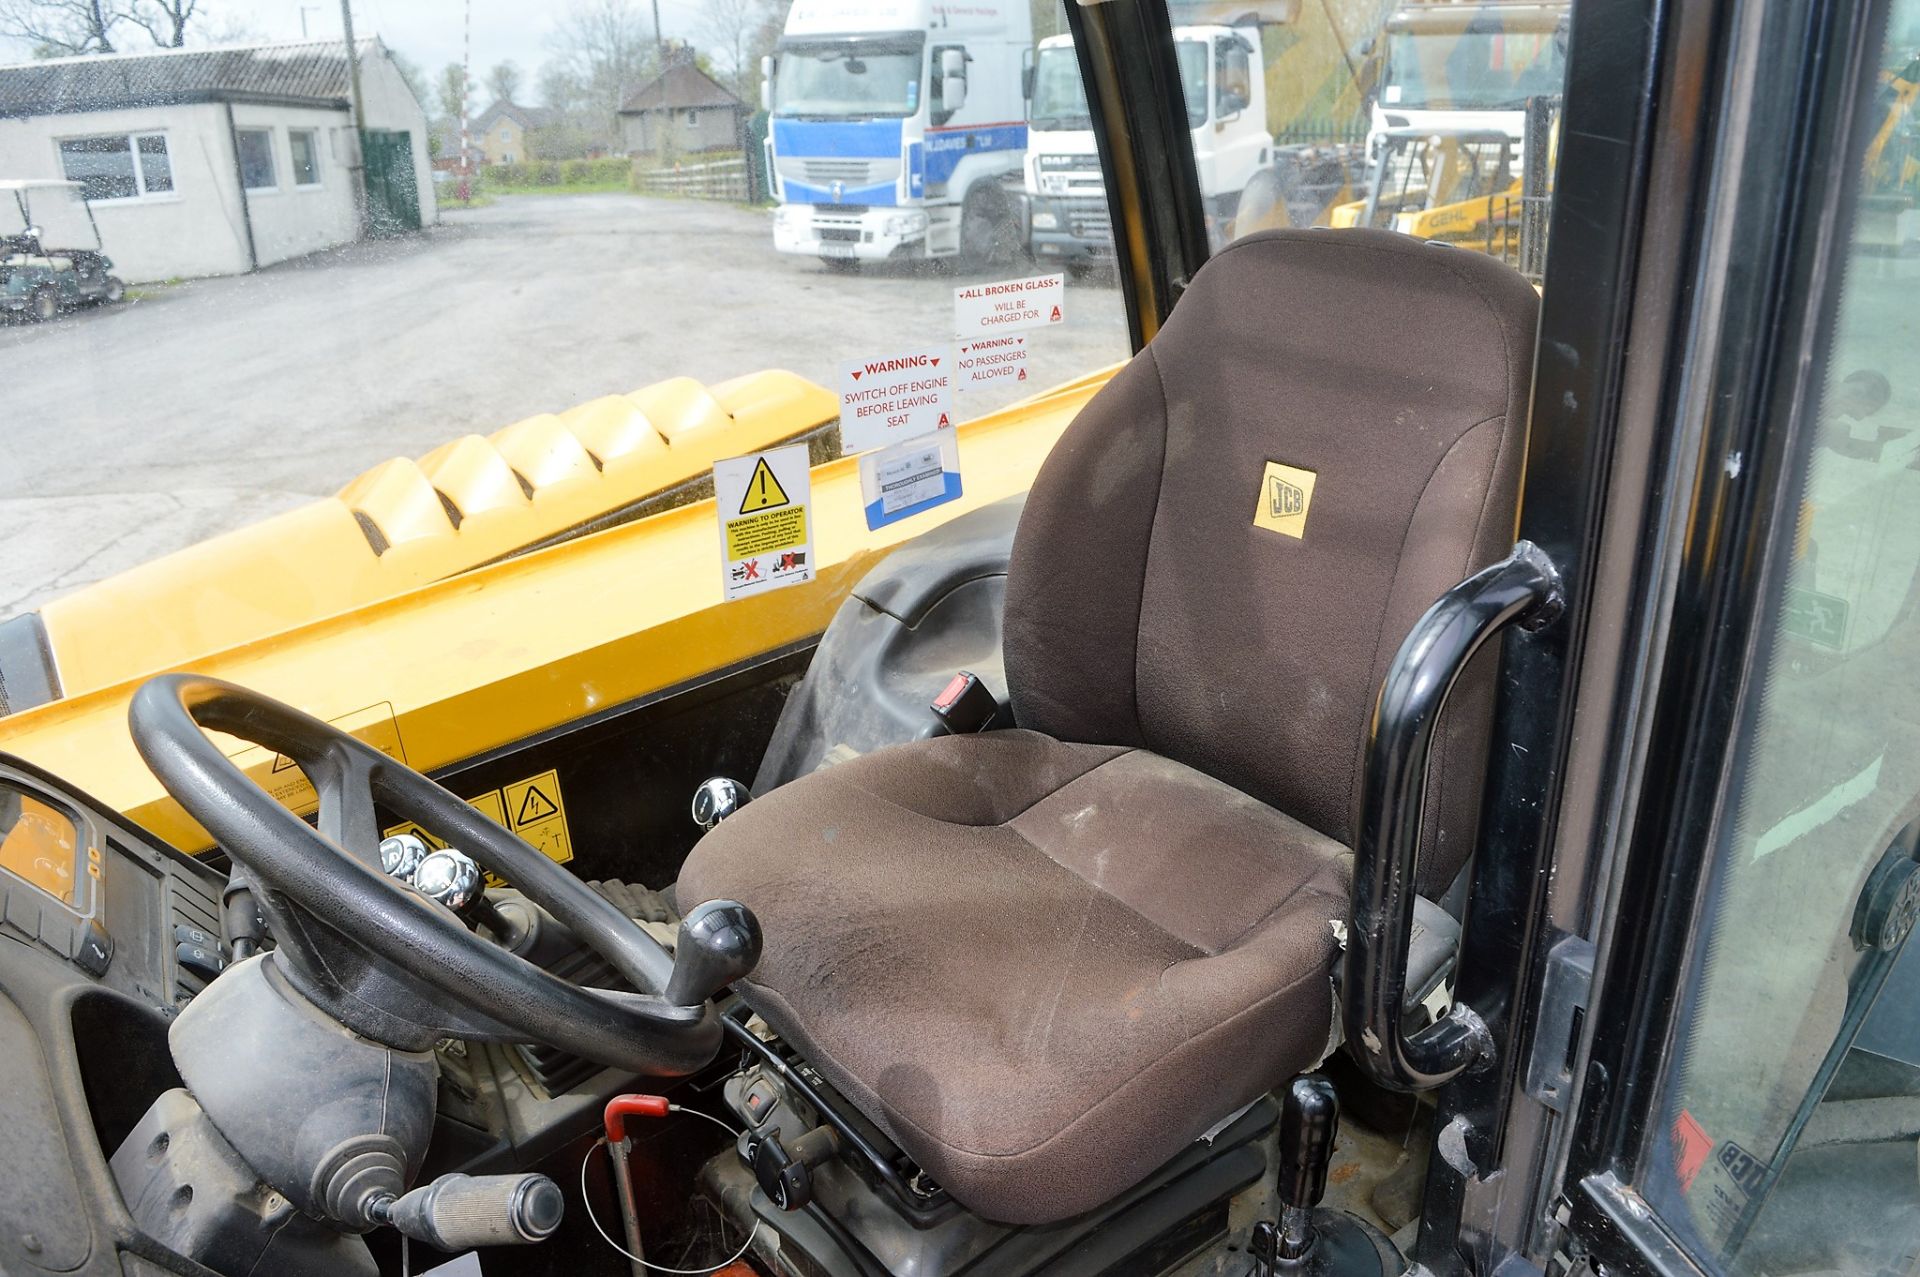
(527, 117)
(309, 74)
(676, 89)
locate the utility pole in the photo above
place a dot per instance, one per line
(353, 63)
(659, 39)
(305, 9)
(359, 118)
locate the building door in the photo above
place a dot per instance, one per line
(393, 188)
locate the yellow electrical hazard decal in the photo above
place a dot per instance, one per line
(1286, 493)
(532, 808)
(763, 490)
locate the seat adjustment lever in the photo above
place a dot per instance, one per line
(785, 1174)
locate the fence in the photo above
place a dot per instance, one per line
(710, 180)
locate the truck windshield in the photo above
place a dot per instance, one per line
(1060, 101)
(1471, 71)
(848, 78)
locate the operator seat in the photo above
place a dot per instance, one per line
(1046, 959)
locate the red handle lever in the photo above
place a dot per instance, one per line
(621, 1107)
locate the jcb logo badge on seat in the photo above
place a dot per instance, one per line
(1286, 496)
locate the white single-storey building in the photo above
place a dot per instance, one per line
(219, 161)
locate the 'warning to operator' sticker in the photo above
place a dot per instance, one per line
(1010, 306)
(895, 397)
(765, 539)
(532, 808)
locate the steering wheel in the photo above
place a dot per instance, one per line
(384, 959)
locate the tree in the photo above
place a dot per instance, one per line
(559, 90)
(165, 21)
(608, 49)
(730, 27)
(56, 28)
(450, 91)
(503, 82)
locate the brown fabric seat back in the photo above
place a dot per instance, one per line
(1145, 607)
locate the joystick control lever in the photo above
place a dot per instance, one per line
(1311, 1240)
(457, 1212)
(719, 943)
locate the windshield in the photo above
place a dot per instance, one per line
(1059, 100)
(847, 79)
(56, 211)
(1471, 71)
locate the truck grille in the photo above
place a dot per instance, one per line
(852, 174)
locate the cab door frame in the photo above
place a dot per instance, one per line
(1754, 122)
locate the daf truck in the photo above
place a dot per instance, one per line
(898, 128)
(1224, 91)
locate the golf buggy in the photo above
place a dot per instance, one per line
(43, 268)
(1411, 773)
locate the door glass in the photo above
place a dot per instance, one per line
(1787, 1140)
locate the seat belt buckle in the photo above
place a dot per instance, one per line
(964, 706)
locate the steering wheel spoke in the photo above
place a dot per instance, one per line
(371, 951)
(344, 782)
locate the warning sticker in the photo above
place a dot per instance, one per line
(918, 474)
(1285, 494)
(894, 397)
(533, 808)
(765, 538)
(991, 361)
(984, 310)
(282, 777)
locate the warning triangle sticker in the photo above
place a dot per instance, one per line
(536, 805)
(763, 490)
(282, 763)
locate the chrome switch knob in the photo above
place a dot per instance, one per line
(717, 799)
(401, 855)
(451, 877)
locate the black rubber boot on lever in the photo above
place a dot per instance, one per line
(1309, 1241)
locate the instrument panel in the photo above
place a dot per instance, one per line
(102, 894)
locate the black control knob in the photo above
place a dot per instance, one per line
(1309, 1117)
(719, 943)
(786, 1175)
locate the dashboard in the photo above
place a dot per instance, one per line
(99, 894)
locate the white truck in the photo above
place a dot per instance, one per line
(1222, 77)
(1468, 67)
(897, 129)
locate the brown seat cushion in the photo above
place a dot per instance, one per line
(1043, 968)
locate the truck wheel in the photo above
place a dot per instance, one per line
(116, 289)
(1262, 206)
(45, 305)
(989, 233)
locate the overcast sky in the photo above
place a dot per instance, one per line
(428, 31)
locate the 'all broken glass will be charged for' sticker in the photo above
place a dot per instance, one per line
(766, 540)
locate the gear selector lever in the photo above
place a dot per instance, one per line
(719, 943)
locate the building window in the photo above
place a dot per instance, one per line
(119, 166)
(256, 159)
(693, 117)
(305, 144)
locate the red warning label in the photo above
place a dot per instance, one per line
(1011, 305)
(894, 397)
(991, 361)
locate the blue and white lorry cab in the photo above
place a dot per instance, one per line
(898, 128)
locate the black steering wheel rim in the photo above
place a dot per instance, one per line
(332, 875)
